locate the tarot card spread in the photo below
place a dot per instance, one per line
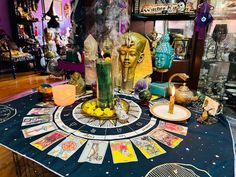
(36, 120)
(68, 147)
(147, 146)
(171, 127)
(49, 139)
(166, 138)
(94, 152)
(122, 151)
(39, 129)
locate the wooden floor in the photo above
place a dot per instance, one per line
(12, 89)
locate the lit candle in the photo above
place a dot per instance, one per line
(102, 54)
(172, 100)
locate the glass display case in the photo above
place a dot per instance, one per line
(218, 70)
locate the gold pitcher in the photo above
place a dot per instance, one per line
(183, 95)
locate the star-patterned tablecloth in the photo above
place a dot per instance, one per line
(205, 150)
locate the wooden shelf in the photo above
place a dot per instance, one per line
(25, 21)
(178, 66)
(175, 17)
(231, 16)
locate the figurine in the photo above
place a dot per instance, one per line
(120, 112)
(51, 45)
(78, 81)
(164, 54)
(135, 60)
(90, 55)
(67, 11)
(21, 11)
(154, 39)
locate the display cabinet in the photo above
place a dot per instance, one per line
(217, 74)
(144, 19)
(22, 20)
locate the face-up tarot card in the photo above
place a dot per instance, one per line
(36, 120)
(171, 127)
(68, 147)
(164, 137)
(94, 152)
(46, 104)
(122, 151)
(210, 105)
(41, 111)
(39, 129)
(49, 139)
(148, 146)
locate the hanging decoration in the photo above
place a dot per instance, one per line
(53, 23)
(203, 19)
(67, 10)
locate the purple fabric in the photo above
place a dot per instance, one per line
(70, 66)
(203, 19)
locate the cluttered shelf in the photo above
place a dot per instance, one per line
(175, 16)
(19, 19)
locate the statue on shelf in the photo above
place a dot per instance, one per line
(164, 54)
(21, 11)
(135, 59)
(51, 45)
(77, 80)
(154, 39)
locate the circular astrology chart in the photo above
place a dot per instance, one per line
(72, 120)
(141, 140)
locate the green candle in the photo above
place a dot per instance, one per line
(104, 84)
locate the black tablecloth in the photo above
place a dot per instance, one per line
(206, 150)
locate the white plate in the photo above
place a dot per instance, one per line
(230, 85)
(231, 90)
(161, 111)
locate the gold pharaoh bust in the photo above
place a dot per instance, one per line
(135, 59)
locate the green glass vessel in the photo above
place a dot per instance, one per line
(104, 84)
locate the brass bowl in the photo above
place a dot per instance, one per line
(90, 108)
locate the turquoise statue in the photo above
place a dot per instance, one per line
(164, 54)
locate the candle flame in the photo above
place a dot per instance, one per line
(173, 91)
(102, 53)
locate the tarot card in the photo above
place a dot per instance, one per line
(39, 129)
(49, 139)
(68, 147)
(164, 137)
(122, 151)
(36, 120)
(94, 152)
(46, 104)
(148, 146)
(41, 111)
(210, 105)
(171, 127)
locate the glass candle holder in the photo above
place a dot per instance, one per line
(64, 95)
(104, 84)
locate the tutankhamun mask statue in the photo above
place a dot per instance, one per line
(135, 59)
